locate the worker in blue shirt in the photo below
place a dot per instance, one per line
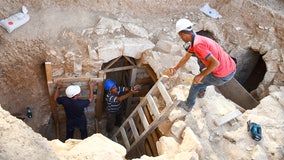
(74, 108)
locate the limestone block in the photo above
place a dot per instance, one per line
(177, 128)
(109, 49)
(88, 148)
(167, 46)
(145, 157)
(134, 47)
(192, 66)
(273, 55)
(271, 66)
(190, 142)
(136, 30)
(92, 53)
(176, 114)
(167, 145)
(19, 141)
(186, 156)
(107, 25)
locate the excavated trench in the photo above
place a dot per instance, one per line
(254, 69)
(251, 67)
(250, 72)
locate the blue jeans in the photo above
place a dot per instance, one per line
(207, 81)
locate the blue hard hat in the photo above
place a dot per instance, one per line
(109, 84)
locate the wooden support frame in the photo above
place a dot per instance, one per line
(82, 80)
(48, 70)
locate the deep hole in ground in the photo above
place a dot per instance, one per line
(250, 72)
(123, 77)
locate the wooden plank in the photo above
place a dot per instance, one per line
(124, 137)
(234, 91)
(100, 97)
(72, 79)
(48, 72)
(143, 118)
(166, 111)
(129, 99)
(150, 139)
(151, 73)
(152, 106)
(226, 118)
(129, 60)
(133, 128)
(120, 69)
(165, 94)
(113, 62)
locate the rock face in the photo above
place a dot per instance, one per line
(191, 135)
(79, 37)
(96, 146)
(19, 141)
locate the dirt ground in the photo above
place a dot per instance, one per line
(58, 25)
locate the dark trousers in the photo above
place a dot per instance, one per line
(71, 125)
(114, 119)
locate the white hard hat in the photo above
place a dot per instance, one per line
(183, 25)
(72, 90)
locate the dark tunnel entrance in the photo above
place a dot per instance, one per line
(251, 70)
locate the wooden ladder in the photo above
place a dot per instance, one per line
(131, 134)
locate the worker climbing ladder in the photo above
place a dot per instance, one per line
(159, 103)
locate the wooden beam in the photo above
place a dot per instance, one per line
(100, 97)
(150, 139)
(143, 118)
(120, 69)
(239, 95)
(151, 72)
(226, 118)
(129, 60)
(48, 72)
(113, 62)
(124, 137)
(78, 79)
(165, 94)
(50, 85)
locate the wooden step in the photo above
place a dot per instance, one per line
(148, 127)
